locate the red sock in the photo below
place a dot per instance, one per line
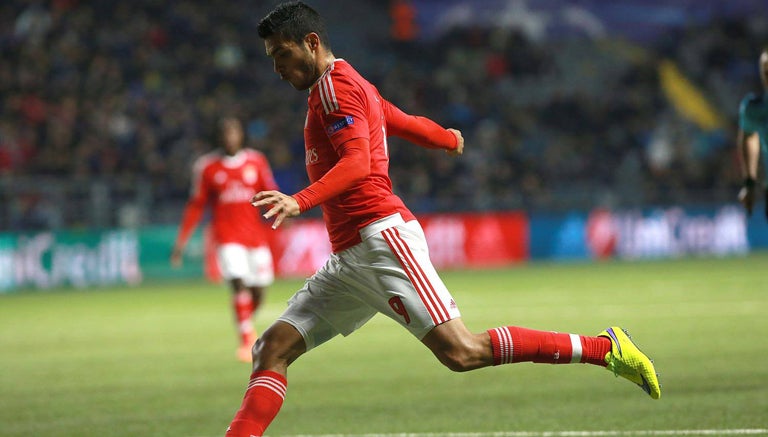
(512, 344)
(263, 399)
(242, 304)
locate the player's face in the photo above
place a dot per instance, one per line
(764, 68)
(294, 62)
(232, 135)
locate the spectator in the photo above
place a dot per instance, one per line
(99, 88)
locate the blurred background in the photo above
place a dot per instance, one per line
(604, 125)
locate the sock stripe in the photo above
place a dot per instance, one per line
(508, 345)
(270, 383)
(576, 350)
(504, 345)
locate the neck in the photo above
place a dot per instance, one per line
(321, 66)
(326, 62)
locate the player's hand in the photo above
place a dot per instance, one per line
(459, 143)
(747, 195)
(176, 257)
(283, 206)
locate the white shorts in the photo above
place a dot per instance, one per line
(389, 272)
(253, 265)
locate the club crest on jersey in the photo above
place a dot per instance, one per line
(220, 177)
(340, 124)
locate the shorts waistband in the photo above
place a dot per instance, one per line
(380, 225)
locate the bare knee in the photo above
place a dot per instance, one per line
(457, 348)
(277, 348)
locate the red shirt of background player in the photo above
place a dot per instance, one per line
(227, 183)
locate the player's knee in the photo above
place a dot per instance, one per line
(275, 350)
(266, 352)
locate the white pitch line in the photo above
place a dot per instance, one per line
(668, 432)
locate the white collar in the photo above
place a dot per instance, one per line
(235, 160)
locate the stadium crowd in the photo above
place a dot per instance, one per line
(130, 91)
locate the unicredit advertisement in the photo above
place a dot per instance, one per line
(128, 257)
(646, 233)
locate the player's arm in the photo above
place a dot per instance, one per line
(749, 152)
(193, 212)
(748, 144)
(421, 130)
(354, 164)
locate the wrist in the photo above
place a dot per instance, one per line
(301, 200)
(749, 182)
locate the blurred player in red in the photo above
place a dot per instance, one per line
(225, 180)
(380, 261)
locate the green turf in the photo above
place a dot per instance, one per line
(158, 360)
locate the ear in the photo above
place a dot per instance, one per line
(312, 40)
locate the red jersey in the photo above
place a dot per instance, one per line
(343, 106)
(227, 183)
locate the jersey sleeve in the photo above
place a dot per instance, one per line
(747, 122)
(193, 211)
(342, 109)
(353, 165)
(419, 130)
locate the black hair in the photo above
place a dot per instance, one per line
(293, 21)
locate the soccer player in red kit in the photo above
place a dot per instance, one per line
(380, 261)
(226, 179)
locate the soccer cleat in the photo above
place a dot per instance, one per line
(627, 361)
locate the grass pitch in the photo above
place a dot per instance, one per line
(158, 360)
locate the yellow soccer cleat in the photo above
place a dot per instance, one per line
(626, 360)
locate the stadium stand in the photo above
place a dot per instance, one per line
(105, 105)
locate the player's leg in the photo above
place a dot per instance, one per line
(279, 346)
(400, 281)
(234, 266)
(447, 337)
(261, 274)
(322, 309)
(459, 349)
(258, 274)
(422, 293)
(243, 308)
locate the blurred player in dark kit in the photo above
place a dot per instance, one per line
(753, 139)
